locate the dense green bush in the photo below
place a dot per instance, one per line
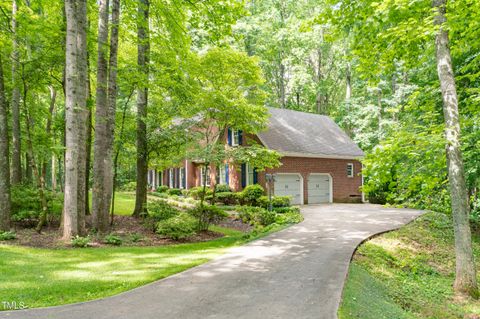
(113, 240)
(128, 187)
(207, 214)
(159, 195)
(174, 191)
(159, 210)
(81, 242)
(196, 192)
(277, 201)
(222, 188)
(256, 215)
(227, 198)
(161, 189)
(290, 217)
(180, 226)
(7, 235)
(251, 194)
(283, 210)
(26, 204)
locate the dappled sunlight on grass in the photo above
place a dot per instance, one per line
(42, 277)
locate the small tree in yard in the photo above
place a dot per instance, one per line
(229, 96)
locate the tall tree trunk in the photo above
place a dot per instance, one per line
(48, 129)
(16, 135)
(142, 102)
(5, 204)
(88, 160)
(380, 112)
(465, 279)
(348, 80)
(75, 130)
(83, 112)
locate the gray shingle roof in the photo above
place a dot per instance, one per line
(294, 133)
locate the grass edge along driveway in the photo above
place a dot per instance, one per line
(48, 277)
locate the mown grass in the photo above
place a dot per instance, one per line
(48, 277)
(408, 274)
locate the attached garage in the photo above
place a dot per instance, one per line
(289, 185)
(319, 188)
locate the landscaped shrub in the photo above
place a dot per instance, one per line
(256, 215)
(196, 192)
(174, 191)
(128, 187)
(227, 198)
(207, 214)
(222, 188)
(7, 235)
(135, 237)
(161, 189)
(284, 210)
(251, 194)
(81, 242)
(113, 240)
(180, 226)
(159, 195)
(290, 217)
(159, 210)
(277, 201)
(26, 205)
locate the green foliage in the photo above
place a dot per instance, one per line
(174, 191)
(251, 194)
(80, 242)
(128, 187)
(7, 235)
(256, 215)
(288, 216)
(222, 188)
(113, 240)
(282, 210)
(135, 237)
(277, 201)
(227, 198)
(177, 227)
(207, 214)
(162, 189)
(196, 192)
(159, 210)
(26, 205)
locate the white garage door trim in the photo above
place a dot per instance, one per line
(330, 199)
(302, 199)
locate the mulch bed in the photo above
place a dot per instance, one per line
(126, 227)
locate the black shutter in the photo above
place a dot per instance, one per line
(255, 176)
(229, 136)
(244, 175)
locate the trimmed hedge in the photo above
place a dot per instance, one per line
(180, 226)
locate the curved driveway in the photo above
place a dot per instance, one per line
(296, 273)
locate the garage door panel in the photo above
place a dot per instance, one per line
(289, 185)
(318, 189)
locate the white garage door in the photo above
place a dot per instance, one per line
(289, 185)
(318, 189)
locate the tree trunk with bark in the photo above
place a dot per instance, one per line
(465, 279)
(142, 102)
(75, 116)
(5, 204)
(99, 204)
(16, 131)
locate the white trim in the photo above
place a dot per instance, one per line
(302, 196)
(233, 134)
(330, 199)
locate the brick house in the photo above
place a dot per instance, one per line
(320, 163)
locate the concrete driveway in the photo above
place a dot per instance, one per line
(295, 273)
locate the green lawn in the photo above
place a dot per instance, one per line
(124, 202)
(408, 274)
(46, 277)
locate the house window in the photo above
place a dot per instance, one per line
(250, 174)
(235, 138)
(350, 170)
(182, 177)
(202, 176)
(170, 177)
(222, 179)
